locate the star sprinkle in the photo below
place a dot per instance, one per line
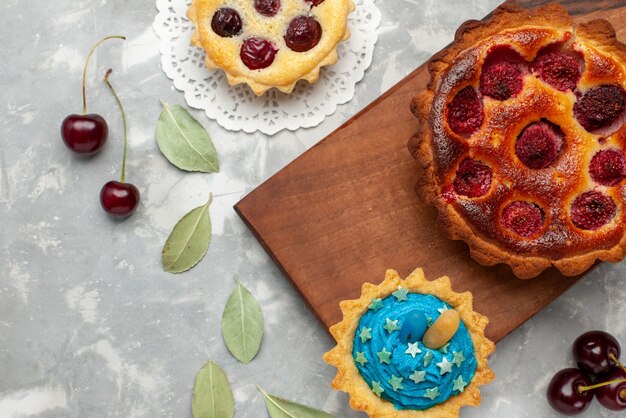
(458, 358)
(377, 388)
(396, 382)
(443, 309)
(445, 366)
(429, 321)
(444, 349)
(376, 304)
(384, 356)
(432, 393)
(401, 293)
(418, 376)
(360, 358)
(366, 334)
(458, 384)
(428, 357)
(391, 326)
(413, 349)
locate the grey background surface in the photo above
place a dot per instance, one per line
(90, 326)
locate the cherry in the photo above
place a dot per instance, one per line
(600, 106)
(465, 112)
(84, 134)
(314, 2)
(473, 178)
(118, 198)
(87, 133)
(523, 218)
(613, 395)
(502, 73)
(564, 394)
(267, 8)
(257, 53)
(593, 350)
(591, 210)
(303, 33)
(226, 22)
(539, 144)
(608, 167)
(557, 68)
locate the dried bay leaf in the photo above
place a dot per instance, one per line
(212, 397)
(184, 141)
(242, 324)
(189, 240)
(282, 408)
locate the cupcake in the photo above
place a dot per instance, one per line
(410, 348)
(270, 43)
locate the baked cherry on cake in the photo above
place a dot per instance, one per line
(522, 138)
(270, 43)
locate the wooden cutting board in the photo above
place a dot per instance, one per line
(346, 210)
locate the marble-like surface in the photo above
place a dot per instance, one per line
(90, 326)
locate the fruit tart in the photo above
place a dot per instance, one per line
(410, 348)
(521, 138)
(270, 43)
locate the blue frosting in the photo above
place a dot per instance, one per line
(403, 365)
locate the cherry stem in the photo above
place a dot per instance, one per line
(93, 48)
(582, 388)
(119, 103)
(616, 361)
(228, 194)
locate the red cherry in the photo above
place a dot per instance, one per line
(87, 133)
(600, 106)
(267, 8)
(257, 53)
(608, 167)
(564, 395)
(539, 144)
(612, 396)
(592, 351)
(465, 112)
(592, 209)
(303, 33)
(226, 22)
(119, 199)
(84, 134)
(314, 2)
(502, 73)
(559, 69)
(473, 178)
(523, 218)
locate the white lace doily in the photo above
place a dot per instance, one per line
(238, 108)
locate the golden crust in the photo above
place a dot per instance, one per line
(604, 62)
(288, 67)
(348, 379)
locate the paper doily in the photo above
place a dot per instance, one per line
(237, 107)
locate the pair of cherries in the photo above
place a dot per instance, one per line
(599, 373)
(87, 133)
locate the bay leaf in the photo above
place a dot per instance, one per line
(212, 397)
(189, 240)
(184, 141)
(242, 324)
(282, 408)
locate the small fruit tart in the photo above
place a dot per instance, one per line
(270, 43)
(522, 138)
(410, 349)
